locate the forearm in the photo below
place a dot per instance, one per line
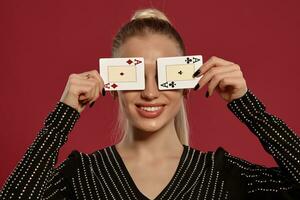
(30, 175)
(277, 138)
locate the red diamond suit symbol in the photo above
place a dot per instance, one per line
(129, 61)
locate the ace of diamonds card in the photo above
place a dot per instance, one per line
(122, 73)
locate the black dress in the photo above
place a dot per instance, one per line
(199, 175)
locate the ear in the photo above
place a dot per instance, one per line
(114, 94)
(186, 93)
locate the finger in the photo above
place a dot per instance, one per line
(91, 75)
(237, 82)
(95, 91)
(213, 62)
(77, 79)
(214, 72)
(85, 75)
(84, 92)
(94, 74)
(95, 88)
(96, 94)
(91, 88)
(102, 88)
(100, 84)
(90, 80)
(214, 82)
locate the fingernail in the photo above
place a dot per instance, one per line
(196, 73)
(197, 86)
(92, 104)
(206, 94)
(103, 92)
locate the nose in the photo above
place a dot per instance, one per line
(151, 91)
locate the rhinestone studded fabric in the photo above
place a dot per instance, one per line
(199, 175)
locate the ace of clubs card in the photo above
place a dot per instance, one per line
(177, 72)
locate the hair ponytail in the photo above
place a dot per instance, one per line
(150, 13)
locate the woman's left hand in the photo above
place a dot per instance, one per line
(222, 76)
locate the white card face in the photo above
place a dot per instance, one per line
(177, 72)
(122, 73)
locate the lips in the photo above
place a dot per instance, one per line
(150, 110)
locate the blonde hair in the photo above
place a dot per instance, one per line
(150, 13)
(142, 22)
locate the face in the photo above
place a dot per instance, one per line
(150, 110)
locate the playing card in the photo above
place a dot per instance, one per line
(122, 73)
(177, 72)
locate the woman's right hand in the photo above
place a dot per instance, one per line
(82, 89)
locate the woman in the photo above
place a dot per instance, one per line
(153, 159)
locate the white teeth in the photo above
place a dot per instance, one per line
(151, 108)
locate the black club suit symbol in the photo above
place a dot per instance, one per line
(172, 84)
(188, 60)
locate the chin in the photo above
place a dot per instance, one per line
(151, 123)
(149, 127)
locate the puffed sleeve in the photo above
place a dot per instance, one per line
(282, 182)
(35, 172)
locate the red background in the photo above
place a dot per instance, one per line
(42, 42)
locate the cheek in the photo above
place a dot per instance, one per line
(175, 99)
(126, 100)
(177, 105)
(174, 95)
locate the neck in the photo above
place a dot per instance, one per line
(163, 142)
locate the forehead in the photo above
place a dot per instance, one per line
(150, 46)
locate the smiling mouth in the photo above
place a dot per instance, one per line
(150, 111)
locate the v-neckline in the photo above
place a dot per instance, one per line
(131, 181)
